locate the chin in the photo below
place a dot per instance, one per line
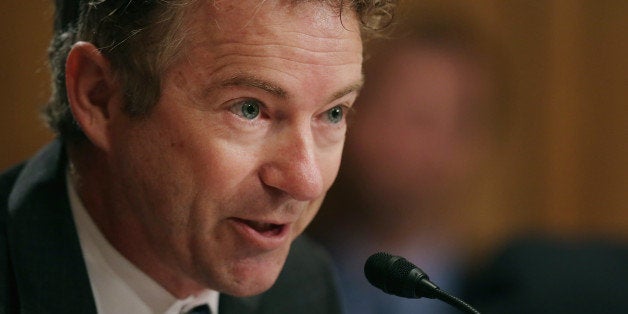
(249, 276)
(251, 289)
(252, 283)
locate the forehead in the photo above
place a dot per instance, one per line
(251, 12)
(315, 24)
(306, 48)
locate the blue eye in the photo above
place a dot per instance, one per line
(335, 114)
(248, 109)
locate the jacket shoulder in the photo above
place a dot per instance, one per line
(7, 179)
(8, 299)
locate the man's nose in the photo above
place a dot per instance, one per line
(292, 166)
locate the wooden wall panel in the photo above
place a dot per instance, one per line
(25, 28)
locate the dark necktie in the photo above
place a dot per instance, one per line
(201, 309)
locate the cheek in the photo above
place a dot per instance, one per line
(162, 160)
(222, 169)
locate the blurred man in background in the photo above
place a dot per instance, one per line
(422, 130)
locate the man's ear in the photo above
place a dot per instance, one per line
(92, 92)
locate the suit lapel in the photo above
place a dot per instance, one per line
(44, 247)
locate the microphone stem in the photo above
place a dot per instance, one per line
(455, 302)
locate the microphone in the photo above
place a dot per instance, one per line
(395, 275)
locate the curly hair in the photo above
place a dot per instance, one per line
(141, 38)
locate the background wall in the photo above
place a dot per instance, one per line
(25, 30)
(564, 166)
(567, 159)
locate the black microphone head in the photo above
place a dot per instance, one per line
(394, 275)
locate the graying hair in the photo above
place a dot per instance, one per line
(140, 39)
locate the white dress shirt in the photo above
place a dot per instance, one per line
(118, 285)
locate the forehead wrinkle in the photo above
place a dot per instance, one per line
(291, 53)
(334, 46)
(269, 18)
(310, 61)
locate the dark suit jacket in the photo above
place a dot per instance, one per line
(42, 268)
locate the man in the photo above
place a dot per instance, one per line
(439, 88)
(197, 141)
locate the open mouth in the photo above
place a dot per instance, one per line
(263, 228)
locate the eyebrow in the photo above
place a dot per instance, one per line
(355, 87)
(252, 81)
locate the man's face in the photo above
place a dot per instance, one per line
(433, 96)
(234, 160)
